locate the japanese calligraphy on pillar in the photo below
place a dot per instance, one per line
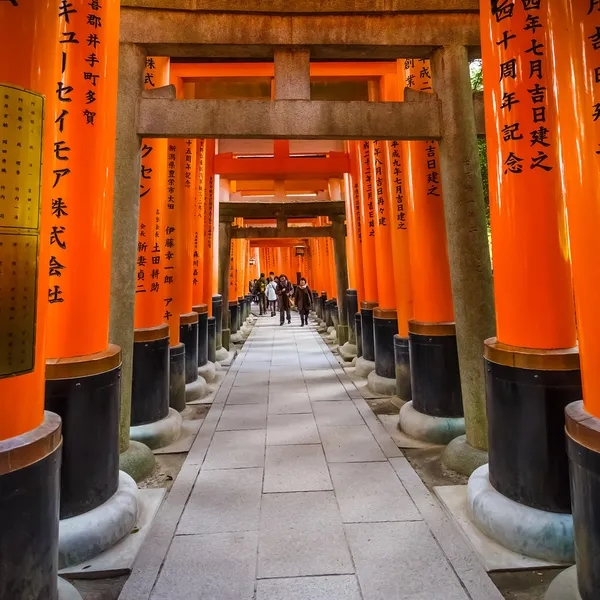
(168, 262)
(397, 183)
(21, 132)
(198, 214)
(383, 218)
(519, 31)
(368, 189)
(592, 51)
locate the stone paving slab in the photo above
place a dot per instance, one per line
(337, 413)
(223, 501)
(335, 587)
(292, 429)
(350, 443)
(254, 394)
(236, 450)
(219, 565)
(237, 417)
(289, 403)
(296, 469)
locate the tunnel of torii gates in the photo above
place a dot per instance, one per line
(124, 265)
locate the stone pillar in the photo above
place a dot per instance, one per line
(30, 439)
(468, 249)
(135, 458)
(83, 371)
(341, 276)
(292, 74)
(435, 413)
(225, 227)
(521, 498)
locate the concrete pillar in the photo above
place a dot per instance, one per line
(341, 275)
(468, 251)
(136, 459)
(292, 74)
(225, 227)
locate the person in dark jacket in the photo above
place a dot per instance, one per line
(303, 299)
(285, 291)
(260, 291)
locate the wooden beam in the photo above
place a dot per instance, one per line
(290, 119)
(280, 232)
(278, 210)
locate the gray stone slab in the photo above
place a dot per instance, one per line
(337, 413)
(371, 492)
(401, 560)
(243, 416)
(301, 534)
(223, 501)
(296, 469)
(462, 557)
(319, 392)
(386, 443)
(219, 566)
(254, 378)
(254, 394)
(236, 450)
(292, 429)
(290, 403)
(335, 587)
(309, 364)
(350, 444)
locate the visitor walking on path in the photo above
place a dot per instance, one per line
(285, 291)
(271, 292)
(260, 290)
(303, 300)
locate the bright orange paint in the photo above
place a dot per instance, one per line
(574, 60)
(149, 300)
(198, 227)
(354, 187)
(209, 222)
(386, 290)
(532, 275)
(30, 58)
(367, 219)
(84, 164)
(429, 267)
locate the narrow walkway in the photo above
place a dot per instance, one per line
(298, 493)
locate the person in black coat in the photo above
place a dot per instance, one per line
(303, 299)
(285, 291)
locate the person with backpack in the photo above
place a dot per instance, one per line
(285, 291)
(260, 290)
(303, 299)
(272, 295)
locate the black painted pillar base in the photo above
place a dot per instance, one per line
(358, 328)
(434, 373)
(402, 368)
(217, 312)
(202, 311)
(323, 299)
(177, 377)
(29, 506)
(233, 312)
(150, 385)
(368, 340)
(86, 394)
(385, 327)
(328, 316)
(211, 330)
(583, 448)
(188, 334)
(527, 392)
(352, 309)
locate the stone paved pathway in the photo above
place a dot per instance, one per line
(294, 491)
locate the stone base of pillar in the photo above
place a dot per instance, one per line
(208, 372)
(237, 338)
(226, 337)
(402, 368)
(348, 351)
(177, 377)
(29, 483)
(137, 461)
(332, 335)
(342, 334)
(159, 433)
(330, 329)
(66, 591)
(364, 366)
(520, 528)
(564, 586)
(427, 428)
(86, 535)
(463, 458)
(386, 386)
(222, 355)
(196, 389)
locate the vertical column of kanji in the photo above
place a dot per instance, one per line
(83, 371)
(233, 286)
(195, 386)
(368, 211)
(30, 439)
(355, 180)
(574, 29)
(434, 370)
(209, 222)
(385, 318)
(532, 367)
(152, 421)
